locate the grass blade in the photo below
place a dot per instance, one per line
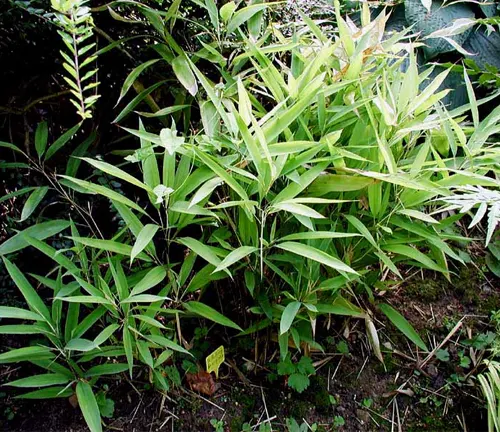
(211, 314)
(34, 301)
(288, 316)
(18, 313)
(39, 231)
(403, 325)
(116, 172)
(151, 279)
(132, 76)
(32, 202)
(315, 255)
(184, 74)
(61, 141)
(206, 252)
(110, 246)
(144, 238)
(26, 354)
(235, 256)
(89, 407)
(41, 138)
(48, 393)
(101, 190)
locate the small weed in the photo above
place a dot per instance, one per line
(443, 355)
(465, 361)
(367, 403)
(333, 400)
(106, 405)
(298, 373)
(293, 426)
(218, 425)
(9, 413)
(338, 421)
(342, 347)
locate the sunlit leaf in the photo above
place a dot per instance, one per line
(315, 255)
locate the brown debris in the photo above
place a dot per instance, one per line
(201, 382)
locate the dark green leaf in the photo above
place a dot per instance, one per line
(32, 202)
(41, 138)
(106, 369)
(89, 407)
(48, 393)
(39, 231)
(26, 354)
(61, 141)
(288, 316)
(34, 301)
(43, 380)
(207, 312)
(403, 325)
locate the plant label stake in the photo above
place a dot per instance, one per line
(214, 360)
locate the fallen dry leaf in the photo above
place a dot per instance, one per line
(73, 400)
(201, 382)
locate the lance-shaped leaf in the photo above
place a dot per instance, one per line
(144, 238)
(184, 74)
(316, 255)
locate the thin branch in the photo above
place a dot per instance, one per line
(21, 111)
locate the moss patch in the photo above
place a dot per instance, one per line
(320, 395)
(428, 290)
(433, 423)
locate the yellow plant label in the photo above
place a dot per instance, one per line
(214, 360)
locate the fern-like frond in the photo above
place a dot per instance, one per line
(487, 202)
(76, 24)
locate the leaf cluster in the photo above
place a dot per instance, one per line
(312, 177)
